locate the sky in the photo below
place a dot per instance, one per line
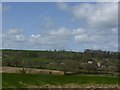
(72, 26)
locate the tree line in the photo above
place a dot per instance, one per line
(89, 61)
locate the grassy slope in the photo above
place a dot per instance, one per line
(24, 80)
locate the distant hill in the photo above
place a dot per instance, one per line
(89, 61)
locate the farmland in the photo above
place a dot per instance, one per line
(89, 61)
(60, 69)
(15, 80)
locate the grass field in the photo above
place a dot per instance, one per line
(45, 80)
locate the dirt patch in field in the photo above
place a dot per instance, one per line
(30, 70)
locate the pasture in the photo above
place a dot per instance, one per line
(19, 80)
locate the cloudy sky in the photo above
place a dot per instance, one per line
(69, 26)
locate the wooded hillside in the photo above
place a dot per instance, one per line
(89, 61)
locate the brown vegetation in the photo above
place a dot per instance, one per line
(30, 70)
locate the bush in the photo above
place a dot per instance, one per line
(23, 71)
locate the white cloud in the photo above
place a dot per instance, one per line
(14, 31)
(100, 20)
(62, 6)
(59, 39)
(95, 15)
(81, 38)
(20, 38)
(82, 11)
(89, 38)
(100, 31)
(105, 16)
(115, 31)
(35, 36)
(79, 31)
(60, 32)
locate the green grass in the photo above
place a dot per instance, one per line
(24, 80)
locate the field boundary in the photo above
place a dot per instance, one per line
(30, 70)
